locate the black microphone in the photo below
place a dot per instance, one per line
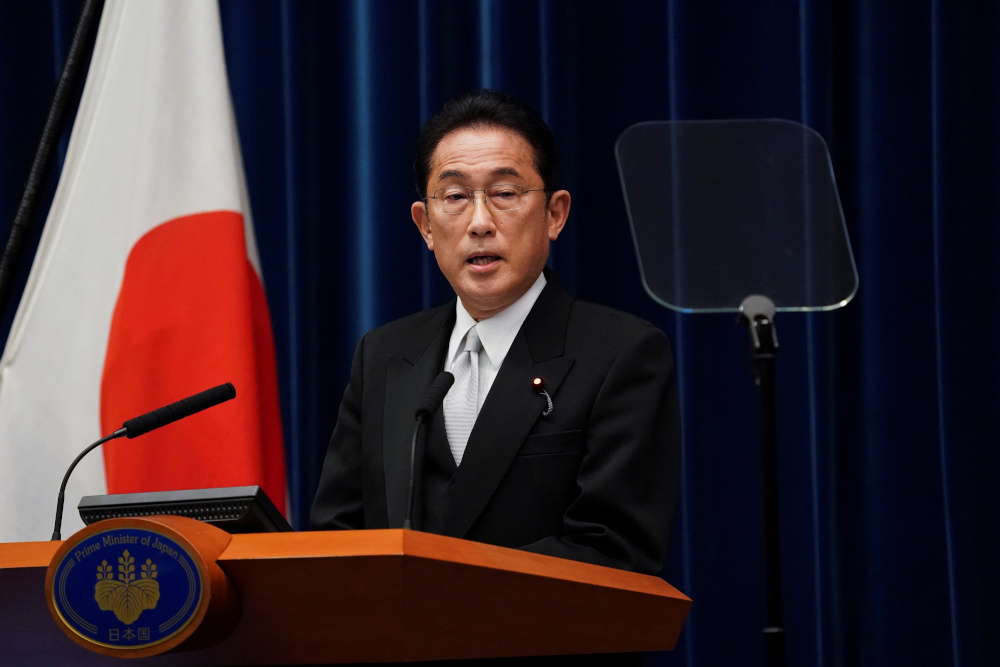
(179, 410)
(432, 401)
(144, 424)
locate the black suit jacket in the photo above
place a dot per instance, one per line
(595, 481)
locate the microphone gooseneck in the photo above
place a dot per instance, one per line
(144, 424)
(432, 401)
(61, 500)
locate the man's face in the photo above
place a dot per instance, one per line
(490, 257)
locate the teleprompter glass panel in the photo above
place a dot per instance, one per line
(721, 210)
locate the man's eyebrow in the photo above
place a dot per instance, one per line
(507, 171)
(455, 173)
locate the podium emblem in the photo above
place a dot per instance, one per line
(126, 588)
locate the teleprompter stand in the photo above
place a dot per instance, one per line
(740, 216)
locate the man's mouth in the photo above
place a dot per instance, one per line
(482, 260)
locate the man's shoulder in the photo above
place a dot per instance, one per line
(408, 326)
(586, 326)
(599, 337)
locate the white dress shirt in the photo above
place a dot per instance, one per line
(496, 334)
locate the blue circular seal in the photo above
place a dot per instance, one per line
(127, 588)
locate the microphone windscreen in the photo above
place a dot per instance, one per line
(432, 401)
(179, 410)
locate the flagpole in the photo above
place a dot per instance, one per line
(73, 70)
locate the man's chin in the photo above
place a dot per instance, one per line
(482, 303)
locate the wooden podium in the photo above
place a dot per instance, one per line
(376, 596)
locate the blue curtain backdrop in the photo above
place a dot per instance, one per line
(888, 441)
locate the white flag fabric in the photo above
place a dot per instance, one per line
(145, 288)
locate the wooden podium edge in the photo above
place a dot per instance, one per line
(424, 557)
(248, 560)
(15, 555)
(307, 544)
(395, 541)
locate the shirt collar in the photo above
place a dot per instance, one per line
(497, 332)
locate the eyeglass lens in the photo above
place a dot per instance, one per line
(457, 199)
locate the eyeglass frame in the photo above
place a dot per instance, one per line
(473, 191)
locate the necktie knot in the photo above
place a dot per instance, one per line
(472, 342)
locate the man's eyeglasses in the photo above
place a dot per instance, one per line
(456, 199)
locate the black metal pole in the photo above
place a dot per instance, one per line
(76, 59)
(758, 314)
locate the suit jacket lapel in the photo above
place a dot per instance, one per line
(512, 407)
(408, 376)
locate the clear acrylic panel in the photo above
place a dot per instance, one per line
(721, 210)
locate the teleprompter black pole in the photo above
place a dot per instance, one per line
(757, 312)
(76, 59)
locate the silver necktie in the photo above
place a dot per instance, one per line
(461, 404)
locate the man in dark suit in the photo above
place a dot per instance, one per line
(574, 447)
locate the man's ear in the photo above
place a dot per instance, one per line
(558, 212)
(418, 211)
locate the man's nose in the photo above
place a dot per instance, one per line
(482, 222)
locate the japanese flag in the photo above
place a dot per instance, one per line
(146, 287)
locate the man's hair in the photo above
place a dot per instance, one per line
(488, 109)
